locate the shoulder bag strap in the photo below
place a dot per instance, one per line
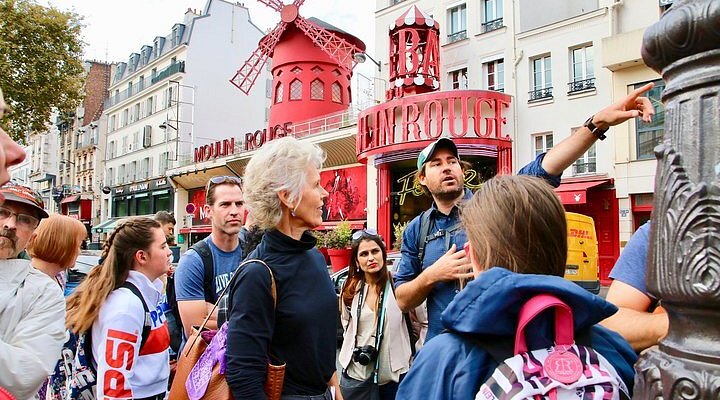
(273, 292)
(202, 248)
(425, 225)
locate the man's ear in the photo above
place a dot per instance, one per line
(208, 210)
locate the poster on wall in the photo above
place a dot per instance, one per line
(347, 193)
(197, 198)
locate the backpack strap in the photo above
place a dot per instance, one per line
(564, 328)
(425, 225)
(147, 325)
(202, 248)
(406, 318)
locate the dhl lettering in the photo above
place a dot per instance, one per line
(114, 387)
(580, 233)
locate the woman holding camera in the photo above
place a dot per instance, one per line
(376, 351)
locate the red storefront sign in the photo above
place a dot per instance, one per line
(215, 150)
(197, 197)
(476, 115)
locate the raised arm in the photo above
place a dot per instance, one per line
(569, 150)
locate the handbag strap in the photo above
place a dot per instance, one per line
(273, 292)
(564, 334)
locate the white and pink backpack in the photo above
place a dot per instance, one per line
(565, 371)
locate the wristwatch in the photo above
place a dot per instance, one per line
(599, 133)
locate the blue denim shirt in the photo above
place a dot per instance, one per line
(410, 267)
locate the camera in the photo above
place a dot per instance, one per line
(365, 355)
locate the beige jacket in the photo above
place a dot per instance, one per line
(395, 331)
(32, 327)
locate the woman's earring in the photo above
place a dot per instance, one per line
(292, 211)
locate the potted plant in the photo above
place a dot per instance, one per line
(321, 245)
(338, 244)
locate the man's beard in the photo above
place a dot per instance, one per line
(9, 236)
(448, 195)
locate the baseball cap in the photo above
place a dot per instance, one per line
(428, 151)
(25, 195)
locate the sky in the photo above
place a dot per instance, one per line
(114, 30)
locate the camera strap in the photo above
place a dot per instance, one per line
(379, 322)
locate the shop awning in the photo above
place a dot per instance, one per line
(70, 199)
(106, 226)
(576, 192)
(197, 229)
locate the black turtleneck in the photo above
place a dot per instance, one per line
(301, 332)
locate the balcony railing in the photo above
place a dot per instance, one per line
(457, 36)
(393, 2)
(539, 94)
(491, 25)
(145, 84)
(579, 86)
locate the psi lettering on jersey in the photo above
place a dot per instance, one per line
(119, 356)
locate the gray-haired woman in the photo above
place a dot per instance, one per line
(283, 192)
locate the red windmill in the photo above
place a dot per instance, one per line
(312, 63)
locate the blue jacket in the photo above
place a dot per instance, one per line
(410, 267)
(453, 366)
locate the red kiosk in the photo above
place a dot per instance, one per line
(391, 135)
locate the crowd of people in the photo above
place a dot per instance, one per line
(474, 259)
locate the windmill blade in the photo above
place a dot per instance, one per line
(247, 74)
(276, 5)
(336, 47)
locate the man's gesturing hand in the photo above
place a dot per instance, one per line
(451, 266)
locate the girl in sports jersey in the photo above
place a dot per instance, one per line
(118, 306)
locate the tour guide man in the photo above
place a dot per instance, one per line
(433, 262)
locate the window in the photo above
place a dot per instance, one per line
(541, 78)
(136, 112)
(124, 120)
(141, 83)
(586, 163)
(144, 168)
(458, 79)
(129, 89)
(279, 93)
(495, 75)
(149, 107)
(296, 90)
(124, 146)
(543, 143)
(153, 74)
(110, 177)
(111, 125)
(583, 74)
(136, 140)
(650, 135)
(121, 174)
(169, 97)
(317, 90)
(492, 15)
(336, 92)
(131, 171)
(163, 161)
(458, 25)
(111, 149)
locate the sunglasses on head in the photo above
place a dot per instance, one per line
(369, 232)
(218, 180)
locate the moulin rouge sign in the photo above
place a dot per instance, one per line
(397, 124)
(253, 140)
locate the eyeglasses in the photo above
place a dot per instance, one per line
(23, 220)
(357, 235)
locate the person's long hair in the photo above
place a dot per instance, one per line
(356, 275)
(131, 235)
(518, 223)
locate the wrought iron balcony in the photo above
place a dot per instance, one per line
(539, 94)
(579, 86)
(144, 84)
(457, 36)
(492, 25)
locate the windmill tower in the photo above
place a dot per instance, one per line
(312, 63)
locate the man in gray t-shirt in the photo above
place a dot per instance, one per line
(225, 208)
(635, 320)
